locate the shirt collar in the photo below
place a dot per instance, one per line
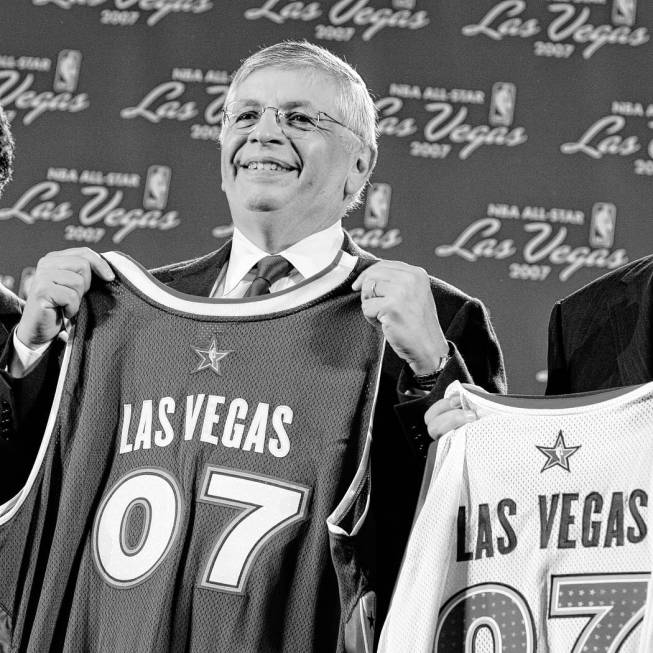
(309, 256)
(312, 254)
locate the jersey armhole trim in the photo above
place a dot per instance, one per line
(362, 472)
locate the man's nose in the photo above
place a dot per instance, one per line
(267, 128)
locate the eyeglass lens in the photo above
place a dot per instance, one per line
(244, 118)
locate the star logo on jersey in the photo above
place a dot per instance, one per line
(559, 454)
(210, 357)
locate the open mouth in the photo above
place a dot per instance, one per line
(273, 166)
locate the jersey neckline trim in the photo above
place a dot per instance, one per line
(599, 401)
(133, 273)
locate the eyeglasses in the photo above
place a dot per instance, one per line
(244, 117)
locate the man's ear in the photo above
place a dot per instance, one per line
(360, 170)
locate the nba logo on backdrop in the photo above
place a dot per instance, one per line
(377, 207)
(376, 215)
(602, 226)
(66, 74)
(502, 103)
(623, 12)
(157, 184)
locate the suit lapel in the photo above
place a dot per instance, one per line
(349, 246)
(195, 277)
(365, 259)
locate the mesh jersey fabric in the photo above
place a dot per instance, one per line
(203, 483)
(533, 531)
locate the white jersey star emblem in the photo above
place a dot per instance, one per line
(210, 357)
(558, 454)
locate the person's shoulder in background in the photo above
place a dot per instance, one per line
(609, 287)
(600, 334)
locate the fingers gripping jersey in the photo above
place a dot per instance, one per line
(203, 482)
(533, 533)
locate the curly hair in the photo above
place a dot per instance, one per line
(6, 150)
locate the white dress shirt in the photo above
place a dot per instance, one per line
(308, 256)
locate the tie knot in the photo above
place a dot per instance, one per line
(268, 270)
(272, 268)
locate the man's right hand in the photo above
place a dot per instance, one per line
(57, 287)
(447, 415)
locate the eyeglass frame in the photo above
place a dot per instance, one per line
(277, 111)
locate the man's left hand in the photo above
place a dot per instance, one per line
(398, 297)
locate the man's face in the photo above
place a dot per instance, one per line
(296, 185)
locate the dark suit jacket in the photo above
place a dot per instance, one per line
(396, 469)
(24, 403)
(601, 336)
(10, 310)
(17, 446)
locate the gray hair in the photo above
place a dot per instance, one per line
(6, 151)
(353, 101)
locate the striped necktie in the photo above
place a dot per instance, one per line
(268, 270)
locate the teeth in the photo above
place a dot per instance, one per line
(264, 165)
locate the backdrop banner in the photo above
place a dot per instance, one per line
(516, 149)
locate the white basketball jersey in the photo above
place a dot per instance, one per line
(532, 534)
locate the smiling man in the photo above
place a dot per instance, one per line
(298, 147)
(284, 189)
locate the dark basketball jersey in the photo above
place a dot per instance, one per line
(533, 533)
(203, 483)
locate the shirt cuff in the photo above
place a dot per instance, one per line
(415, 393)
(421, 386)
(24, 360)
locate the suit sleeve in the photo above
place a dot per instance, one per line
(24, 409)
(474, 357)
(558, 379)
